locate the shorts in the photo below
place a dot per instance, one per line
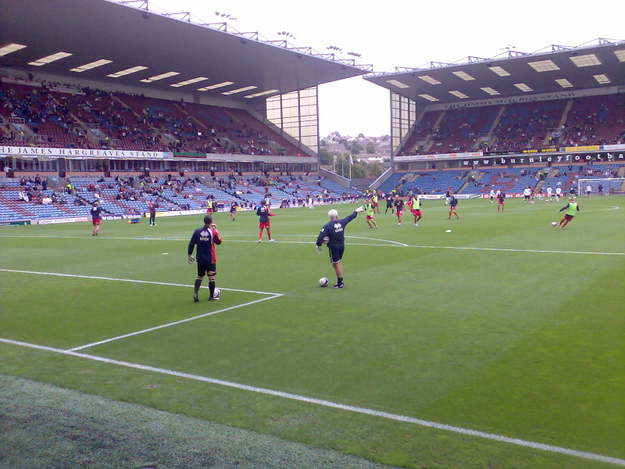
(209, 210)
(452, 208)
(369, 217)
(569, 217)
(399, 213)
(95, 221)
(203, 268)
(500, 202)
(416, 213)
(527, 197)
(265, 224)
(374, 204)
(336, 253)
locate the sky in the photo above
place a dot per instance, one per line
(407, 33)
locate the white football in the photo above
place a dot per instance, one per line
(554, 223)
(323, 282)
(217, 293)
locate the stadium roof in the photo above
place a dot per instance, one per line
(104, 40)
(556, 68)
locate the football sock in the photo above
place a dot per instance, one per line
(196, 286)
(339, 280)
(211, 287)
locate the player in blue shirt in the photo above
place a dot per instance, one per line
(453, 203)
(96, 218)
(264, 212)
(204, 240)
(333, 234)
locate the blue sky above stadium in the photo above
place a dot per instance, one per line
(406, 33)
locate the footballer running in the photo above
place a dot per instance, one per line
(453, 204)
(571, 210)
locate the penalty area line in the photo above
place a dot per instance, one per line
(129, 280)
(330, 404)
(171, 324)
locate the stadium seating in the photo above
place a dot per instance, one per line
(425, 182)
(510, 180)
(130, 196)
(592, 120)
(90, 118)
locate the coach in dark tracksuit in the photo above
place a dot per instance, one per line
(333, 233)
(204, 239)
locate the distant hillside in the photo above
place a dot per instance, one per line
(360, 146)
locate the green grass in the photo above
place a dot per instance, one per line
(524, 344)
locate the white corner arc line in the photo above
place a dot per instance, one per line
(170, 324)
(129, 280)
(390, 241)
(334, 405)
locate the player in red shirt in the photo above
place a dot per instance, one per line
(399, 209)
(264, 212)
(501, 200)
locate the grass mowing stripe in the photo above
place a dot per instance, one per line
(397, 245)
(334, 405)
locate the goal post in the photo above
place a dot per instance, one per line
(601, 186)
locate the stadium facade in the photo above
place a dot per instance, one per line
(128, 52)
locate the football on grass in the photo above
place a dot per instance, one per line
(323, 282)
(217, 293)
(554, 223)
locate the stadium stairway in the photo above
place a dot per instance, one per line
(88, 133)
(184, 111)
(488, 139)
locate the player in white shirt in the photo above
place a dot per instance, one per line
(549, 193)
(588, 190)
(527, 193)
(558, 193)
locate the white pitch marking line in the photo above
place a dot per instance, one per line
(462, 248)
(170, 324)
(377, 239)
(312, 236)
(149, 282)
(333, 405)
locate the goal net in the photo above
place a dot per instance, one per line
(601, 186)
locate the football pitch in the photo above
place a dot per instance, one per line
(493, 341)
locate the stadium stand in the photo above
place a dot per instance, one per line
(510, 180)
(120, 196)
(591, 120)
(91, 118)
